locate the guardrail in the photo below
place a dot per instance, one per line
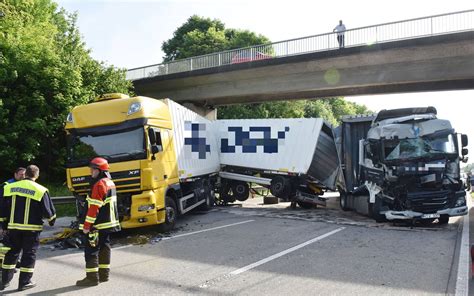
(62, 200)
(394, 31)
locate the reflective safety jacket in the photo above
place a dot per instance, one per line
(2, 219)
(24, 205)
(101, 207)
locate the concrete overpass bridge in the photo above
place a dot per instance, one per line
(423, 54)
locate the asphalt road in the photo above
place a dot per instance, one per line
(252, 249)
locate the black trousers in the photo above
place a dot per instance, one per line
(98, 257)
(340, 39)
(28, 242)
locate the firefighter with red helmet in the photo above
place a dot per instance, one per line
(98, 221)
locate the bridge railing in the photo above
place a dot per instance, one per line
(407, 29)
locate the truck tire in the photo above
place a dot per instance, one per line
(305, 205)
(343, 201)
(171, 214)
(376, 207)
(225, 193)
(444, 219)
(240, 190)
(280, 187)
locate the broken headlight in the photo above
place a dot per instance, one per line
(461, 201)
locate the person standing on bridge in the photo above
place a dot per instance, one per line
(24, 205)
(340, 30)
(98, 222)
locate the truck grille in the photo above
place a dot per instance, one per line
(428, 202)
(125, 181)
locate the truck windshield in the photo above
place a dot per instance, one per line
(124, 145)
(426, 147)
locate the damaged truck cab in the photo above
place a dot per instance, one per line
(408, 167)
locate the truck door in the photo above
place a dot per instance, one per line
(157, 155)
(169, 158)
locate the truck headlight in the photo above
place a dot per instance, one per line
(461, 201)
(144, 208)
(134, 108)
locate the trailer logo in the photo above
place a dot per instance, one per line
(197, 141)
(249, 141)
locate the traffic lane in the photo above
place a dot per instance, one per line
(189, 262)
(355, 261)
(180, 265)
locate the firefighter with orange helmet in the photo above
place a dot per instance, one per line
(98, 221)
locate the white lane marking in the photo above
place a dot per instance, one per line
(122, 247)
(282, 253)
(462, 280)
(206, 230)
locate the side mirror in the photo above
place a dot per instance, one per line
(156, 148)
(464, 141)
(464, 151)
(152, 136)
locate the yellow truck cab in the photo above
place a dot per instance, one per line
(163, 157)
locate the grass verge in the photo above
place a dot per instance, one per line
(66, 210)
(57, 189)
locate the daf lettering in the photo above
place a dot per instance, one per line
(78, 179)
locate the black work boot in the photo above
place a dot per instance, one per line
(103, 275)
(29, 285)
(103, 279)
(87, 282)
(3, 286)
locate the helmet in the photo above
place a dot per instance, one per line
(99, 163)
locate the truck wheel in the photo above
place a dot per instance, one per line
(171, 214)
(343, 200)
(226, 195)
(376, 207)
(305, 205)
(240, 190)
(280, 187)
(444, 219)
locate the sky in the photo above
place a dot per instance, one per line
(129, 34)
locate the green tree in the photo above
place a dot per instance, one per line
(330, 109)
(45, 70)
(243, 38)
(199, 36)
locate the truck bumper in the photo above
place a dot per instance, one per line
(405, 215)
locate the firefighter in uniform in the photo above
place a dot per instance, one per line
(24, 205)
(4, 243)
(99, 220)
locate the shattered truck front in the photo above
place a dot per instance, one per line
(412, 167)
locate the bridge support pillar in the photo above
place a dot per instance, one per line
(208, 112)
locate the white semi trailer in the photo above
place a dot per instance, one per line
(295, 158)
